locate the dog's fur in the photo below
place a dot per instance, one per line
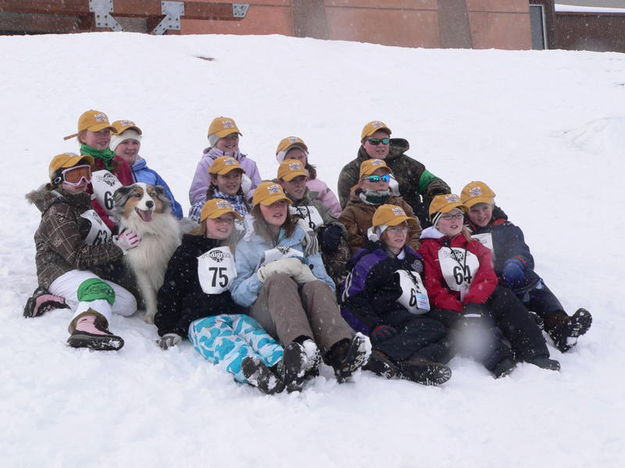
(145, 209)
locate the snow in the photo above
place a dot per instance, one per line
(545, 129)
(561, 7)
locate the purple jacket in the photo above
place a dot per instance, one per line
(201, 179)
(325, 196)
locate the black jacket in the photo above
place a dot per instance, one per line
(181, 299)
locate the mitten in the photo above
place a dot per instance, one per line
(289, 266)
(169, 340)
(382, 333)
(304, 275)
(330, 238)
(127, 240)
(513, 273)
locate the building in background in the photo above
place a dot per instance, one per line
(479, 24)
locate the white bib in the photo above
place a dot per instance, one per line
(279, 252)
(486, 239)
(216, 270)
(308, 217)
(99, 233)
(458, 271)
(414, 296)
(104, 185)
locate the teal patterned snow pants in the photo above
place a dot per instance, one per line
(227, 339)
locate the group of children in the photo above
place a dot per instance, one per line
(274, 277)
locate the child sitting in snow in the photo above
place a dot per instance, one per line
(126, 144)
(514, 266)
(77, 254)
(195, 302)
(223, 136)
(384, 297)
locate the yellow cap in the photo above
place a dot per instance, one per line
(65, 160)
(445, 203)
(477, 192)
(217, 207)
(222, 127)
(373, 127)
(94, 121)
(286, 144)
(390, 215)
(290, 169)
(267, 193)
(224, 165)
(122, 125)
(369, 166)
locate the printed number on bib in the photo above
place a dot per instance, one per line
(308, 217)
(486, 239)
(458, 267)
(279, 252)
(216, 270)
(413, 297)
(99, 233)
(104, 185)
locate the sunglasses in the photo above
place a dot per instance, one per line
(378, 178)
(76, 175)
(457, 216)
(401, 229)
(377, 141)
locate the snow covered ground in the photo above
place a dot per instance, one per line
(545, 129)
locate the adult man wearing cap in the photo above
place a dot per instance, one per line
(417, 185)
(372, 191)
(126, 143)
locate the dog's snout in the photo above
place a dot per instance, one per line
(149, 203)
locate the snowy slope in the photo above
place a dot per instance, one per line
(545, 129)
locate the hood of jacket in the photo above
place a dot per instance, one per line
(47, 195)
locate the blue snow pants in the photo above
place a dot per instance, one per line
(227, 339)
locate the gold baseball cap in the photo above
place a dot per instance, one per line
(94, 121)
(224, 165)
(121, 126)
(65, 160)
(391, 215)
(445, 203)
(369, 166)
(223, 126)
(477, 192)
(217, 207)
(269, 192)
(290, 169)
(373, 127)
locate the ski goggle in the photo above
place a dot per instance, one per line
(76, 175)
(378, 178)
(377, 141)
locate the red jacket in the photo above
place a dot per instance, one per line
(441, 296)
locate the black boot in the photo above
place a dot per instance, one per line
(259, 376)
(424, 372)
(565, 330)
(503, 368)
(545, 363)
(347, 356)
(380, 364)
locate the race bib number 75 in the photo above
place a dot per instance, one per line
(216, 270)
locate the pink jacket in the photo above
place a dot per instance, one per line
(324, 195)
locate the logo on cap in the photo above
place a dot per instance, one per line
(452, 198)
(273, 188)
(230, 161)
(397, 211)
(377, 162)
(223, 205)
(228, 124)
(476, 191)
(100, 117)
(294, 166)
(377, 124)
(127, 123)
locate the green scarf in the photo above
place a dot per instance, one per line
(374, 197)
(105, 155)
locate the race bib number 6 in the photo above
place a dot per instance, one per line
(414, 297)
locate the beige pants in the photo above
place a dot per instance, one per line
(287, 311)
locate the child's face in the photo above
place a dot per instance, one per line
(451, 223)
(378, 186)
(275, 214)
(395, 237)
(229, 143)
(297, 153)
(98, 140)
(378, 150)
(296, 187)
(229, 183)
(220, 228)
(128, 150)
(480, 214)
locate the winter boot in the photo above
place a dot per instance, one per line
(91, 332)
(259, 376)
(380, 364)
(300, 361)
(565, 330)
(537, 318)
(503, 368)
(424, 372)
(41, 302)
(347, 356)
(545, 363)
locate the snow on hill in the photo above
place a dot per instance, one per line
(544, 129)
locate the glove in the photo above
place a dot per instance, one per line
(169, 340)
(289, 266)
(382, 333)
(513, 273)
(330, 238)
(304, 275)
(127, 240)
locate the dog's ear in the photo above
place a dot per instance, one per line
(121, 196)
(160, 193)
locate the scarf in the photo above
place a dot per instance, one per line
(372, 197)
(106, 155)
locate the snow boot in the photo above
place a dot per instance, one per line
(380, 364)
(259, 376)
(347, 356)
(41, 302)
(300, 362)
(423, 371)
(537, 318)
(565, 330)
(503, 368)
(545, 363)
(91, 332)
